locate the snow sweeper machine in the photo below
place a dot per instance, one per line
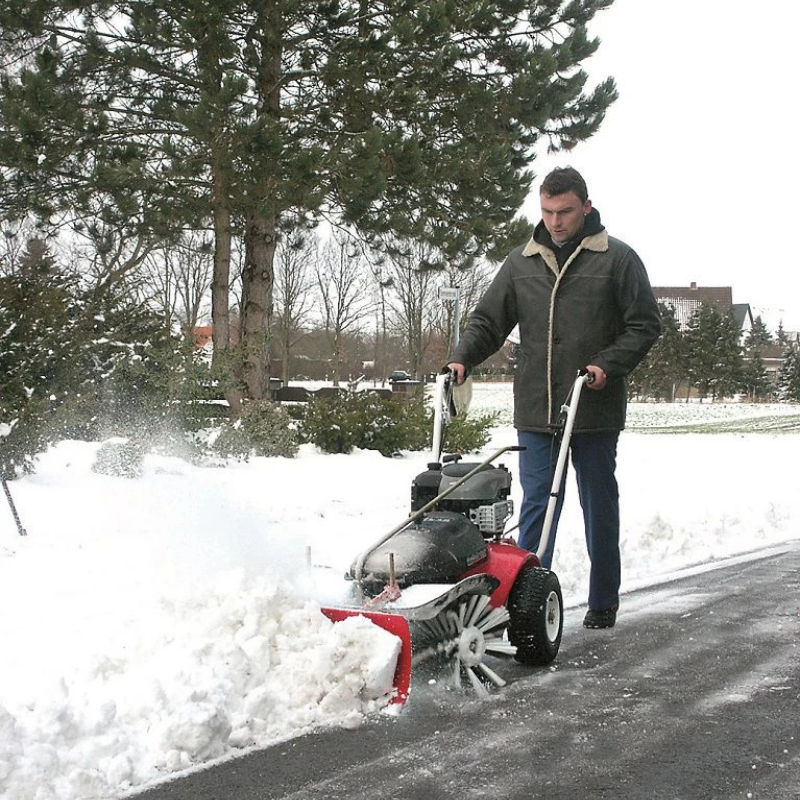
(448, 580)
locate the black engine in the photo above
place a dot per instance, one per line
(484, 498)
(438, 548)
(451, 536)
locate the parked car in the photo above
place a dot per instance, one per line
(399, 375)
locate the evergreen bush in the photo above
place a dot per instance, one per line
(79, 363)
(468, 434)
(263, 429)
(161, 391)
(365, 420)
(368, 421)
(120, 458)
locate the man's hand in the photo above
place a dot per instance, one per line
(600, 377)
(459, 370)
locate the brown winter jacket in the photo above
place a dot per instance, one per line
(598, 309)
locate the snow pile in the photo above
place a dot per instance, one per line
(228, 667)
(162, 622)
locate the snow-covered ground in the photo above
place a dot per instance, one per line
(150, 625)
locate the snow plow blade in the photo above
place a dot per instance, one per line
(395, 624)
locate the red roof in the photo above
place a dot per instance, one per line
(202, 335)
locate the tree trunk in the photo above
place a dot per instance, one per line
(257, 280)
(220, 291)
(286, 346)
(220, 284)
(260, 236)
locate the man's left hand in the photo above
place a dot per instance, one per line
(600, 377)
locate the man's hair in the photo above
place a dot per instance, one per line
(562, 180)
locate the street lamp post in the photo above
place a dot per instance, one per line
(453, 294)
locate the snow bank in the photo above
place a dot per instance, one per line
(233, 666)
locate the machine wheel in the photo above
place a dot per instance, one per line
(535, 606)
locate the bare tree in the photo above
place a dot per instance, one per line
(383, 283)
(471, 284)
(413, 296)
(157, 286)
(293, 283)
(192, 264)
(177, 279)
(344, 285)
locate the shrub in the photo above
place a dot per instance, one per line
(367, 421)
(264, 429)
(468, 434)
(120, 458)
(20, 441)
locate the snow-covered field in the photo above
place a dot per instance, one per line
(151, 625)
(678, 417)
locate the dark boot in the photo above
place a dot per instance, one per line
(601, 619)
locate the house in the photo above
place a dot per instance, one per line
(202, 336)
(686, 299)
(772, 356)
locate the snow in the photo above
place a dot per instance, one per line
(156, 624)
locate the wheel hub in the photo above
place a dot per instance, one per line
(471, 645)
(552, 616)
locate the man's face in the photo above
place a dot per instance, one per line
(563, 215)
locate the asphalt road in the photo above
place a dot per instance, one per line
(694, 695)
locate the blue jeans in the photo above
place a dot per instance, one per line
(594, 457)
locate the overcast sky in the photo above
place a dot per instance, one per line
(696, 165)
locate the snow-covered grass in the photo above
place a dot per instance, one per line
(667, 417)
(154, 624)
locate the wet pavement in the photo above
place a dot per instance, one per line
(694, 695)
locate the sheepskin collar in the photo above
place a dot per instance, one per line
(597, 242)
(595, 238)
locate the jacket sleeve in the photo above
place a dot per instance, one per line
(640, 319)
(490, 323)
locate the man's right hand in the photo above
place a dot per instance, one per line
(459, 370)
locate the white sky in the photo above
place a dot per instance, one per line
(697, 163)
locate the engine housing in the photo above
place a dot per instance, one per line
(484, 498)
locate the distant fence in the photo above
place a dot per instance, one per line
(299, 394)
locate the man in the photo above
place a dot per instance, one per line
(582, 299)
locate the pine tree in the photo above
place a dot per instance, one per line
(701, 336)
(755, 381)
(659, 374)
(37, 330)
(400, 118)
(713, 355)
(758, 336)
(789, 376)
(39, 336)
(728, 367)
(73, 360)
